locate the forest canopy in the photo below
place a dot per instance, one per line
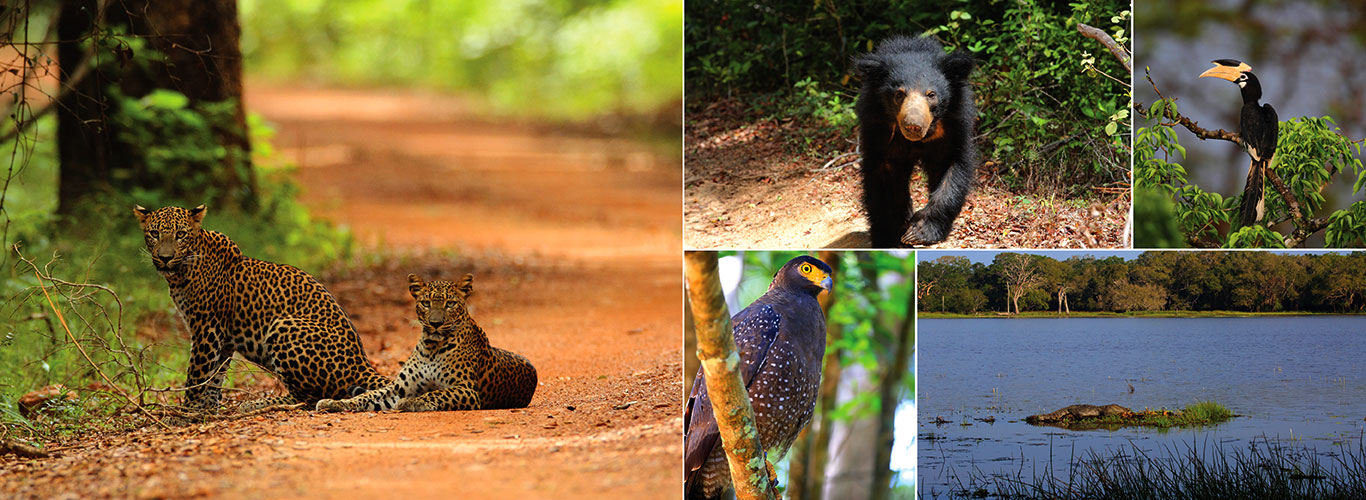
(1154, 281)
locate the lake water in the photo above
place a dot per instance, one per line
(1299, 380)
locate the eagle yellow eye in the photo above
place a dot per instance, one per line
(806, 268)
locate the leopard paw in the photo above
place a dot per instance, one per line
(331, 405)
(413, 404)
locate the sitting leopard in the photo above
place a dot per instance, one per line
(453, 366)
(274, 315)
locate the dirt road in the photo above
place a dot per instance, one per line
(747, 186)
(574, 245)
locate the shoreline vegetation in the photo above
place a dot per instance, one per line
(1263, 469)
(1130, 314)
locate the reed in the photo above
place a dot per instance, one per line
(1262, 469)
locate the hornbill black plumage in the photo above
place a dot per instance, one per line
(1258, 126)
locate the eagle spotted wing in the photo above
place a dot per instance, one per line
(756, 328)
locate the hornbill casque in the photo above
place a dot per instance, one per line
(1258, 127)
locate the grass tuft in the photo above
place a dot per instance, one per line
(1265, 469)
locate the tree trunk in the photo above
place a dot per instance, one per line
(798, 466)
(889, 393)
(84, 143)
(730, 402)
(853, 442)
(197, 42)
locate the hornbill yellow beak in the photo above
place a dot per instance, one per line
(1227, 69)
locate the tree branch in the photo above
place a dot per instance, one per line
(720, 365)
(1286, 195)
(1125, 58)
(10, 446)
(1302, 233)
(1190, 124)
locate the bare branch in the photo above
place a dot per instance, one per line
(1120, 53)
(94, 366)
(9, 446)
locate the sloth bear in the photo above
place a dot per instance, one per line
(915, 107)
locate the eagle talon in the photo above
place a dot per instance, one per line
(772, 473)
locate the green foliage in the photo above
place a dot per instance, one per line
(1254, 237)
(1309, 151)
(177, 140)
(834, 109)
(1347, 228)
(1155, 220)
(1199, 213)
(544, 58)
(1052, 112)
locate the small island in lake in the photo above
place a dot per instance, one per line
(1086, 417)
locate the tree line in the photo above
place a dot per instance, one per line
(1154, 281)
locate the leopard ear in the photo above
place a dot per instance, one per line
(197, 214)
(142, 213)
(466, 285)
(414, 284)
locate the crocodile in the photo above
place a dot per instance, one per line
(1079, 412)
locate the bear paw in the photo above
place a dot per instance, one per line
(924, 232)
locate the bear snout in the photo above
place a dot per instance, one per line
(914, 118)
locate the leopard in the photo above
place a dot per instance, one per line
(274, 315)
(453, 367)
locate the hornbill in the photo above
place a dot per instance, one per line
(1258, 127)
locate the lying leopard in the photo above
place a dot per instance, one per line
(274, 315)
(453, 366)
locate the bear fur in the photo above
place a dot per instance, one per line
(915, 107)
